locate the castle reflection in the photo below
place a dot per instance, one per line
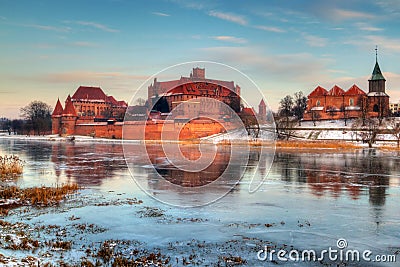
(325, 174)
(334, 174)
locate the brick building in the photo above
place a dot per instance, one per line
(352, 103)
(88, 106)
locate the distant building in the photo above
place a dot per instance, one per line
(167, 95)
(353, 103)
(394, 108)
(87, 106)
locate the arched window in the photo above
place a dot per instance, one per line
(351, 102)
(376, 108)
(318, 103)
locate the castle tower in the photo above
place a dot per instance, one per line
(378, 100)
(68, 118)
(262, 112)
(198, 73)
(56, 118)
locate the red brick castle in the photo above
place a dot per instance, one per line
(353, 103)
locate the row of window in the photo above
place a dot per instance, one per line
(351, 102)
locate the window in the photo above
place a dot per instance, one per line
(376, 108)
(318, 103)
(351, 102)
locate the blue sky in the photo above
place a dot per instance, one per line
(49, 48)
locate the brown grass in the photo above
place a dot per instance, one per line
(340, 145)
(10, 165)
(43, 196)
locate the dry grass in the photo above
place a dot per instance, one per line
(340, 145)
(10, 165)
(43, 196)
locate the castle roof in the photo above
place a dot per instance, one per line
(354, 90)
(319, 91)
(193, 89)
(69, 108)
(262, 103)
(376, 73)
(89, 93)
(58, 110)
(336, 91)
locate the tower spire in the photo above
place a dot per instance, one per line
(376, 53)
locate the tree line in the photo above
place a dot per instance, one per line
(35, 119)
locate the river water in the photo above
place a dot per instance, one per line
(309, 201)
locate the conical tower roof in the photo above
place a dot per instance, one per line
(262, 103)
(377, 73)
(69, 108)
(58, 110)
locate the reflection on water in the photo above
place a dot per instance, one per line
(325, 174)
(339, 174)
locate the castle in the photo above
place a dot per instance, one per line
(353, 103)
(88, 112)
(198, 100)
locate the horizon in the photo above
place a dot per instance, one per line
(284, 47)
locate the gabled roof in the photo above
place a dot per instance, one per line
(69, 108)
(354, 90)
(262, 103)
(319, 91)
(112, 100)
(248, 111)
(89, 93)
(122, 103)
(336, 91)
(58, 110)
(376, 73)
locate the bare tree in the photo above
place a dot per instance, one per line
(367, 129)
(140, 101)
(300, 105)
(394, 129)
(315, 116)
(345, 115)
(286, 107)
(331, 111)
(363, 103)
(38, 115)
(285, 128)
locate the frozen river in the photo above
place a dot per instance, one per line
(309, 201)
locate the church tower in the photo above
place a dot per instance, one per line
(378, 100)
(377, 81)
(262, 112)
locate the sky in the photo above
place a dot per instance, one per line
(49, 48)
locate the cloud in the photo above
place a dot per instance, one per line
(230, 39)
(366, 27)
(344, 14)
(315, 41)
(83, 44)
(93, 25)
(160, 14)
(296, 67)
(89, 77)
(3, 18)
(390, 45)
(47, 27)
(269, 29)
(229, 17)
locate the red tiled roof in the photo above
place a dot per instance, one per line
(336, 91)
(168, 85)
(354, 90)
(192, 89)
(122, 103)
(58, 110)
(319, 91)
(112, 100)
(89, 93)
(248, 111)
(262, 103)
(69, 108)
